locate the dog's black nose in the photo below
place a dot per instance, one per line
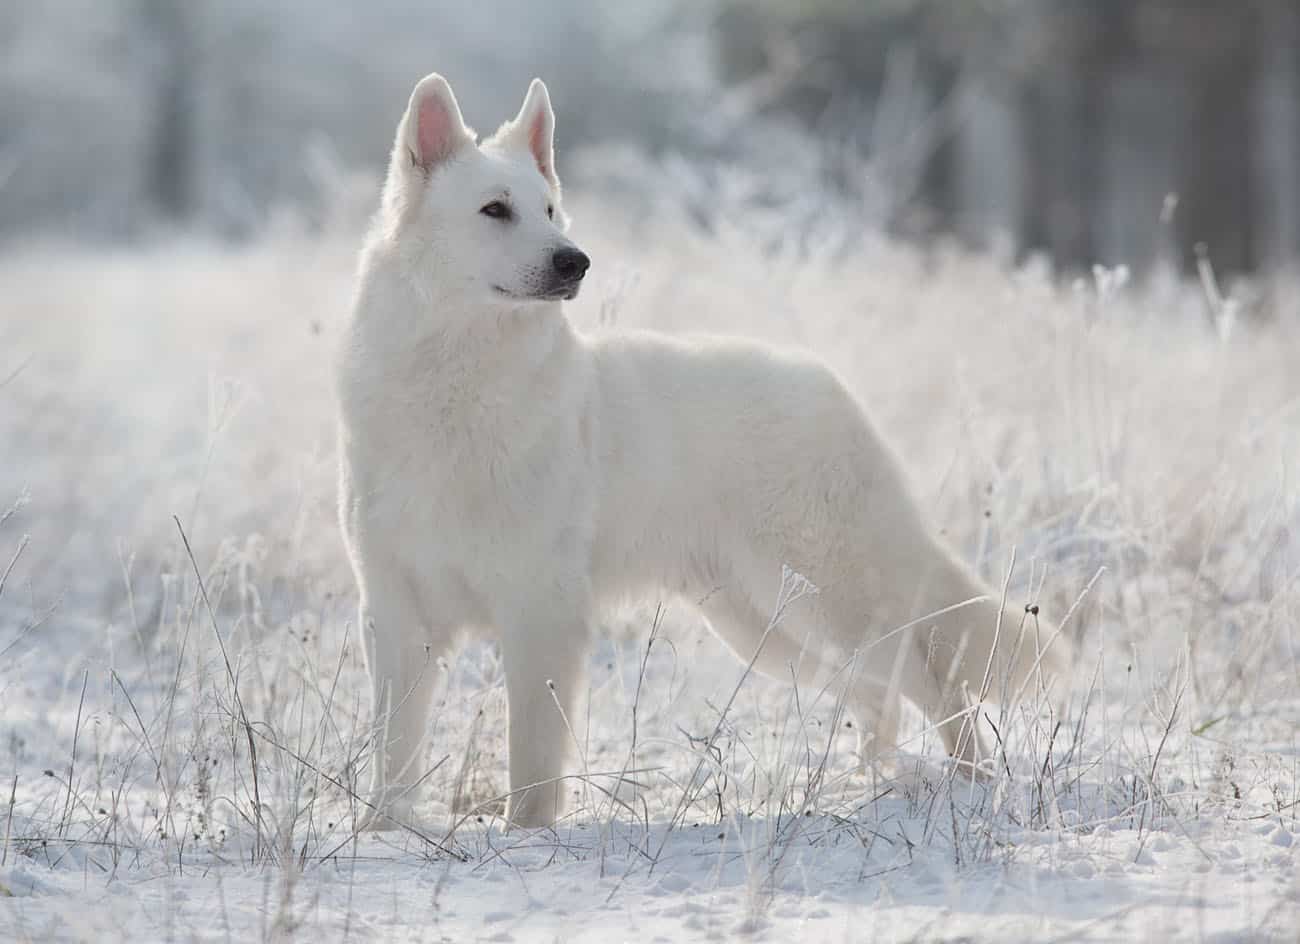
(570, 264)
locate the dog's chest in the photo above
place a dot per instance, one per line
(481, 469)
(453, 486)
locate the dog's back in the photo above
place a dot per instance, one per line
(725, 461)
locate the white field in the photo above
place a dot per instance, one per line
(1135, 443)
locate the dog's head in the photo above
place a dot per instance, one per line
(484, 219)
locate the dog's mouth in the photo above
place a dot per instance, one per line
(565, 292)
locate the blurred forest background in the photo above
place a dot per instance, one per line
(1107, 131)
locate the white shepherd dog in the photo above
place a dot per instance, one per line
(502, 472)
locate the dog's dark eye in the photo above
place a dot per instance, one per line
(496, 210)
(550, 212)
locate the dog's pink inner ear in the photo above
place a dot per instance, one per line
(539, 145)
(434, 134)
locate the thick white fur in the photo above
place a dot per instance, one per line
(502, 472)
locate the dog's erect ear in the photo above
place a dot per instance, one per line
(432, 130)
(533, 130)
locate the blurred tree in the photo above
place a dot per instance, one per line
(166, 30)
(73, 117)
(1074, 121)
(217, 113)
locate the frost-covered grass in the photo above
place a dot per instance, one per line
(181, 735)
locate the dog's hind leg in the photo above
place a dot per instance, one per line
(740, 623)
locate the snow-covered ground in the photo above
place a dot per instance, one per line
(1136, 444)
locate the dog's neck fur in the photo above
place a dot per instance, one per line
(414, 346)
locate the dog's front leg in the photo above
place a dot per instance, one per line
(401, 655)
(544, 653)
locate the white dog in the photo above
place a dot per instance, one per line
(502, 472)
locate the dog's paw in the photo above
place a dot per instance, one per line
(534, 807)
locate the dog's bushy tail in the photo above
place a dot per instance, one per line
(1020, 655)
(977, 658)
(1016, 659)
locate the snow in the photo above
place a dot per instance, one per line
(1202, 887)
(1140, 460)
